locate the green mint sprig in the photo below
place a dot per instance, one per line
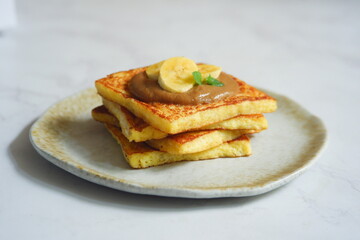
(213, 81)
(209, 80)
(197, 77)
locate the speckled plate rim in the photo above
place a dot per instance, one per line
(184, 192)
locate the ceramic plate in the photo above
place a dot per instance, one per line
(67, 136)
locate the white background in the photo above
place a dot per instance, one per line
(7, 14)
(309, 51)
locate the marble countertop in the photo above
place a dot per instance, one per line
(309, 51)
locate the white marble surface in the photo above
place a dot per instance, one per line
(309, 51)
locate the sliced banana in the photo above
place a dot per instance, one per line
(212, 70)
(176, 74)
(153, 71)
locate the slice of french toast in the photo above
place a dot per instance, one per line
(184, 143)
(196, 141)
(140, 155)
(172, 118)
(135, 129)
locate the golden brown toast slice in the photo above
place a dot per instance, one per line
(172, 118)
(196, 141)
(250, 121)
(140, 155)
(189, 142)
(135, 129)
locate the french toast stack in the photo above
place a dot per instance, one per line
(154, 133)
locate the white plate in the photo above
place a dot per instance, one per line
(67, 136)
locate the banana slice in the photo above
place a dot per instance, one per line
(207, 70)
(153, 71)
(176, 74)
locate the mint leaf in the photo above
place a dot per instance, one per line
(197, 77)
(213, 81)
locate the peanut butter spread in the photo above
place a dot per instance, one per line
(148, 90)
